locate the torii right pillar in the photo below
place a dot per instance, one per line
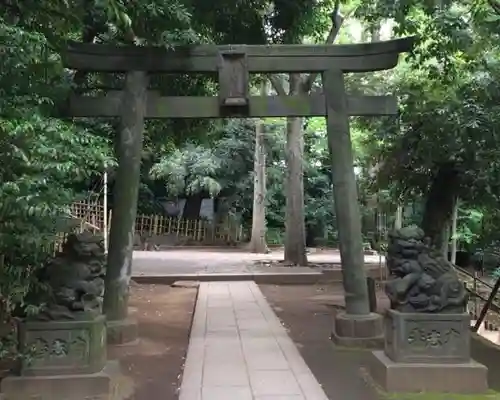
(357, 326)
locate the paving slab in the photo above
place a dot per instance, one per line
(239, 349)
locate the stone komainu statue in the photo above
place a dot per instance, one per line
(75, 278)
(422, 281)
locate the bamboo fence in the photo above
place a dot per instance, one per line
(91, 215)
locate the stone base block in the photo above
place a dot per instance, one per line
(358, 331)
(121, 331)
(63, 347)
(58, 387)
(463, 378)
(427, 338)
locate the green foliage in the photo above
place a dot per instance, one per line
(449, 103)
(41, 157)
(470, 226)
(274, 236)
(496, 273)
(189, 171)
(226, 169)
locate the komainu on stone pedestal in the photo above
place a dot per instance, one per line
(66, 342)
(69, 335)
(428, 322)
(427, 330)
(76, 279)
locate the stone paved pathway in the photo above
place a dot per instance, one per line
(187, 261)
(239, 350)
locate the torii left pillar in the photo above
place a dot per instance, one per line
(120, 327)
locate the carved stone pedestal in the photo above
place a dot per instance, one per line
(66, 360)
(427, 352)
(358, 330)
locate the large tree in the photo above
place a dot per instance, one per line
(445, 145)
(311, 21)
(258, 243)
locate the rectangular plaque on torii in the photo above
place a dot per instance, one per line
(233, 80)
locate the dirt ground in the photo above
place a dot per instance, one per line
(151, 368)
(307, 313)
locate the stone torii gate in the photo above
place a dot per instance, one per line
(233, 64)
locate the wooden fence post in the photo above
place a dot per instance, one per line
(154, 230)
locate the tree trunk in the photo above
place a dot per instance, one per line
(295, 231)
(374, 29)
(454, 243)
(126, 190)
(439, 204)
(258, 239)
(398, 223)
(445, 248)
(192, 207)
(295, 235)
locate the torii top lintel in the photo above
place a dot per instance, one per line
(363, 57)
